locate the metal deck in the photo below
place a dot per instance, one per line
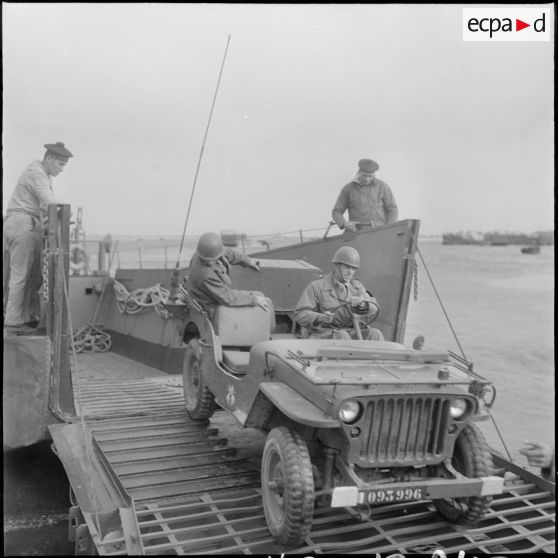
(521, 520)
(108, 384)
(180, 489)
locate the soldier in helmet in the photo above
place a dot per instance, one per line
(368, 199)
(208, 275)
(320, 310)
(22, 239)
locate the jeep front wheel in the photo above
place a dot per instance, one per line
(200, 402)
(472, 459)
(287, 486)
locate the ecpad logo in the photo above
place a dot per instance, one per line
(507, 24)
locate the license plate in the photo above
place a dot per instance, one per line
(386, 496)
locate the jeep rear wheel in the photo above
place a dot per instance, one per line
(287, 486)
(200, 402)
(472, 459)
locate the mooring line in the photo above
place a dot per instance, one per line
(441, 303)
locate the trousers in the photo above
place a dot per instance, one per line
(22, 268)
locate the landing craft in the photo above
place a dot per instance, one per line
(146, 478)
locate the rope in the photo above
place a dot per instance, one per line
(103, 289)
(441, 303)
(140, 299)
(92, 338)
(459, 344)
(501, 437)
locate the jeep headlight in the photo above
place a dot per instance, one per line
(349, 412)
(458, 408)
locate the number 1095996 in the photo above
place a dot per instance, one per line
(385, 496)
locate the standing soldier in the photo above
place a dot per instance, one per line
(22, 239)
(368, 199)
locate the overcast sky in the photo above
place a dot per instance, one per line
(462, 131)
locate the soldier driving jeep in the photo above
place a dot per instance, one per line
(329, 305)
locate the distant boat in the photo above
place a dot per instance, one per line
(462, 238)
(504, 238)
(531, 250)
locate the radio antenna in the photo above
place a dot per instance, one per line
(174, 278)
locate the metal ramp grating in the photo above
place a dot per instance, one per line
(522, 519)
(106, 398)
(191, 494)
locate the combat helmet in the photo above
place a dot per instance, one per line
(347, 255)
(210, 246)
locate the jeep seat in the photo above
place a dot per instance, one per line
(238, 329)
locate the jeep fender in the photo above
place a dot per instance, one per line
(295, 406)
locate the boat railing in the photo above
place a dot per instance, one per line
(160, 252)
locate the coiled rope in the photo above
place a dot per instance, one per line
(136, 301)
(92, 337)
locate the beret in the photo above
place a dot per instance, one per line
(58, 149)
(367, 165)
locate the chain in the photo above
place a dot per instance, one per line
(415, 281)
(46, 255)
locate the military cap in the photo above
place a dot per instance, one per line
(367, 165)
(58, 149)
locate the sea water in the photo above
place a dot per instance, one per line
(499, 302)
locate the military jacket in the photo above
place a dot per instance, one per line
(211, 285)
(373, 204)
(327, 294)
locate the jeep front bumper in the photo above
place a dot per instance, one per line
(347, 496)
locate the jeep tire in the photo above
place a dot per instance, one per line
(471, 458)
(287, 486)
(200, 402)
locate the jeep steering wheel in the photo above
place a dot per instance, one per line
(373, 310)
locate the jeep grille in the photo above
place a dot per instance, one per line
(404, 430)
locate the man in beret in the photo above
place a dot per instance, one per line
(368, 199)
(22, 239)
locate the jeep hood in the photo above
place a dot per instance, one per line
(362, 362)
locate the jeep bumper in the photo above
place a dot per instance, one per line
(346, 496)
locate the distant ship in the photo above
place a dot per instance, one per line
(497, 238)
(466, 237)
(531, 250)
(504, 238)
